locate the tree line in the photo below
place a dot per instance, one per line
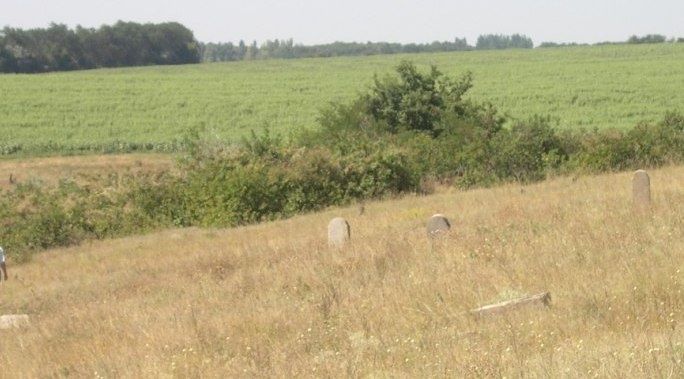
(59, 48)
(649, 38)
(287, 49)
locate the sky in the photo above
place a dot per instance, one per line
(324, 21)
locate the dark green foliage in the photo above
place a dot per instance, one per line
(265, 179)
(649, 38)
(58, 48)
(412, 101)
(415, 101)
(448, 138)
(526, 151)
(498, 41)
(36, 217)
(646, 145)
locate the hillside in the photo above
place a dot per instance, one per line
(274, 300)
(122, 110)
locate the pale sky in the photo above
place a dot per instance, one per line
(323, 21)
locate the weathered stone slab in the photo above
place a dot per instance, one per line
(339, 232)
(542, 299)
(13, 321)
(641, 189)
(437, 225)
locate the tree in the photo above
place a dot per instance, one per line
(286, 49)
(649, 38)
(242, 50)
(499, 41)
(416, 101)
(59, 48)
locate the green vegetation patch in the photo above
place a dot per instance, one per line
(147, 109)
(408, 131)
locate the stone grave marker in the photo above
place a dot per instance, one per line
(540, 299)
(437, 225)
(339, 232)
(13, 321)
(641, 189)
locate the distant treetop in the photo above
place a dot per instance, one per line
(649, 38)
(286, 49)
(499, 41)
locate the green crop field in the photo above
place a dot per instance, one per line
(149, 108)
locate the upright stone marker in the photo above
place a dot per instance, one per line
(437, 225)
(641, 189)
(339, 232)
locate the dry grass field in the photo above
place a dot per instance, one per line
(272, 300)
(51, 170)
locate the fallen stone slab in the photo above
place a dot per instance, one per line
(542, 299)
(13, 321)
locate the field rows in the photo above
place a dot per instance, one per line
(606, 86)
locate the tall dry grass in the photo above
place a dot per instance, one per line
(273, 300)
(51, 170)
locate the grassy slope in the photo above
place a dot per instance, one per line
(273, 300)
(608, 86)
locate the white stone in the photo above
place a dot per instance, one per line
(13, 321)
(339, 232)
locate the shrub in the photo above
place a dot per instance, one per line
(412, 101)
(36, 217)
(527, 151)
(245, 187)
(646, 145)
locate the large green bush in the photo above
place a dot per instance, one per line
(410, 101)
(249, 185)
(646, 145)
(526, 151)
(36, 217)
